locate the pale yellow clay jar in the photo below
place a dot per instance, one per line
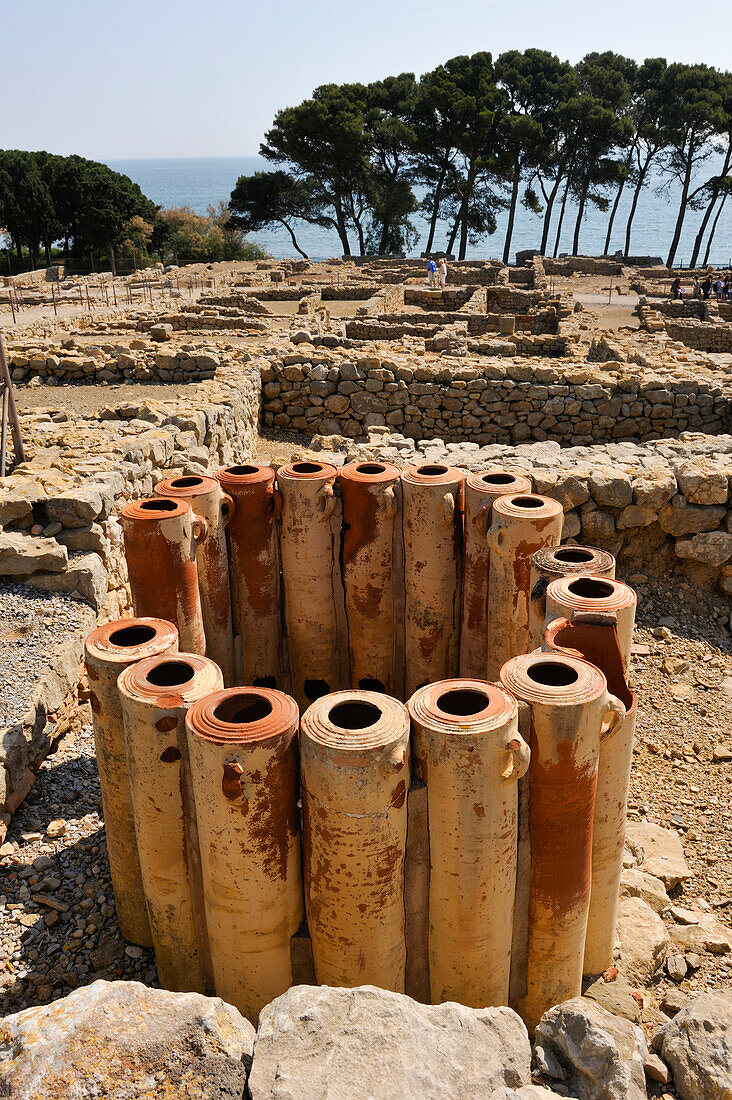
(109, 649)
(480, 491)
(522, 524)
(560, 561)
(310, 548)
(373, 575)
(355, 772)
(208, 500)
(596, 596)
(571, 709)
(244, 763)
(468, 751)
(156, 694)
(432, 522)
(597, 641)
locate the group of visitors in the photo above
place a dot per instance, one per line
(434, 272)
(720, 288)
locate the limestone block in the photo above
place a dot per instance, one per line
(701, 483)
(639, 884)
(22, 555)
(315, 1042)
(635, 515)
(76, 507)
(663, 852)
(603, 1053)
(710, 548)
(644, 941)
(123, 1039)
(676, 520)
(85, 576)
(706, 934)
(653, 488)
(697, 1047)
(610, 488)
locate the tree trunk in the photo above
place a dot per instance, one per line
(341, 226)
(512, 211)
(548, 214)
(295, 245)
(681, 214)
(112, 264)
(453, 232)
(634, 206)
(384, 239)
(359, 231)
(714, 228)
(578, 223)
(435, 210)
(469, 185)
(561, 218)
(708, 211)
(47, 252)
(614, 211)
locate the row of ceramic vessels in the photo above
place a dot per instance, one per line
(467, 846)
(315, 580)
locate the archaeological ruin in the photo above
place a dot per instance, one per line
(379, 636)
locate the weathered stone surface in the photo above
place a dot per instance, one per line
(710, 548)
(21, 555)
(643, 940)
(77, 507)
(690, 519)
(603, 1053)
(527, 1092)
(317, 1042)
(707, 934)
(85, 575)
(697, 1047)
(663, 852)
(123, 1040)
(611, 489)
(701, 483)
(615, 997)
(639, 884)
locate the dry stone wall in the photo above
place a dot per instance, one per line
(137, 361)
(497, 402)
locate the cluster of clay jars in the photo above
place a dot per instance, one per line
(276, 813)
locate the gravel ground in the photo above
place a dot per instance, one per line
(32, 626)
(57, 922)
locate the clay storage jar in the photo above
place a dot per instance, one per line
(373, 575)
(108, 650)
(242, 745)
(255, 574)
(207, 499)
(480, 491)
(598, 643)
(432, 510)
(156, 694)
(310, 547)
(560, 561)
(571, 709)
(522, 524)
(161, 537)
(468, 751)
(596, 596)
(355, 772)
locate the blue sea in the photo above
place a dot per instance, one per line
(202, 181)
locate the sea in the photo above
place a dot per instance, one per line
(199, 182)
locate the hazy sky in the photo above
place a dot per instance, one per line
(147, 78)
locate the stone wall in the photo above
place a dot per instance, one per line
(497, 402)
(582, 265)
(702, 335)
(92, 363)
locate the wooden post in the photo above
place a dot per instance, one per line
(12, 304)
(12, 411)
(3, 430)
(53, 299)
(114, 294)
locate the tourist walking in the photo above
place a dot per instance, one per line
(695, 287)
(676, 290)
(431, 273)
(443, 273)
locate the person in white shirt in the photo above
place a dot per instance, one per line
(443, 273)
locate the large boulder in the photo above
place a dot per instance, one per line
(602, 1053)
(123, 1040)
(643, 939)
(663, 853)
(697, 1047)
(702, 932)
(315, 1043)
(22, 555)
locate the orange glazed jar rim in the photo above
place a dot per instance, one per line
(553, 679)
(187, 485)
(242, 474)
(307, 470)
(587, 592)
(499, 482)
(527, 506)
(243, 716)
(155, 509)
(171, 679)
(433, 473)
(463, 706)
(372, 472)
(131, 639)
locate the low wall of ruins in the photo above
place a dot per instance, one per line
(702, 335)
(488, 403)
(99, 363)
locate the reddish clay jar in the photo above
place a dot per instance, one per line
(161, 537)
(208, 500)
(372, 562)
(560, 561)
(481, 490)
(254, 564)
